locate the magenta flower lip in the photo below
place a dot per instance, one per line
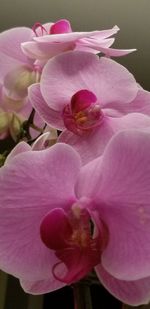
(83, 114)
(75, 245)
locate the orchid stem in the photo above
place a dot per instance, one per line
(82, 296)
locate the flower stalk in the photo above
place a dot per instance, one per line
(82, 296)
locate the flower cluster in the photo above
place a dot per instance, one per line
(75, 198)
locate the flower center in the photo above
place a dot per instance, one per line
(76, 245)
(83, 114)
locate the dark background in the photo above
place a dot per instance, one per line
(63, 298)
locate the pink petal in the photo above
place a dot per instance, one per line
(141, 104)
(93, 144)
(70, 37)
(21, 244)
(21, 147)
(7, 64)
(103, 34)
(70, 72)
(44, 51)
(134, 293)
(102, 46)
(10, 41)
(113, 52)
(89, 42)
(66, 37)
(47, 46)
(50, 116)
(42, 141)
(41, 286)
(29, 190)
(119, 182)
(125, 171)
(86, 44)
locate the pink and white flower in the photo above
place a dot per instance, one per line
(86, 97)
(53, 232)
(52, 39)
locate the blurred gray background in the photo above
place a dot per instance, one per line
(132, 17)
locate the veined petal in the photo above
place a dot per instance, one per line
(7, 64)
(50, 116)
(29, 190)
(21, 147)
(67, 37)
(93, 144)
(41, 286)
(86, 45)
(126, 172)
(141, 104)
(113, 52)
(70, 72)
(10, 41)
(43, 51)
(134, 293)
(119, 182)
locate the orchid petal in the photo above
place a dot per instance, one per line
(36, 50)
(93, 143)
(10, 41)
(141, 104)
(21, 147)
(38, 176)
(134, 293)
(121, 191)
(70, 72)
(41, 286)
(51, 117)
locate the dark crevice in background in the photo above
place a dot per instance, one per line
(63, 298)
(15, 296)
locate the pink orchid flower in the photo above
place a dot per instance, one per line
(55, 38)
(54, 232)
(17, 73)
(86, 98)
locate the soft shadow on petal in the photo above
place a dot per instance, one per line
(134, 293)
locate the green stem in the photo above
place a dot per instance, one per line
(82, 296)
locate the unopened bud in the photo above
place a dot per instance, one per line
(4, 124)
(15, 124)
(16, 82)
